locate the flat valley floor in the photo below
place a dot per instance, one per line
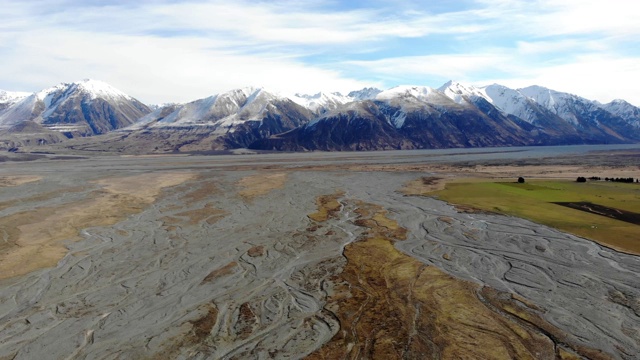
(314, 255)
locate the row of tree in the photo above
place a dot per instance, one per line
(597, 178)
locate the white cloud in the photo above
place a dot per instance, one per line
(543, 18)
(595, 77)
(454, 66)
(559, 46)
(300, 23)
(162, 69)
(612, 17)
(164, 51)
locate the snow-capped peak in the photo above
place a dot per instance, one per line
(249, 94)
(543, 95)
(365, 94)
(96, 88)
(619, 102)
(551, 99)
(508, 100)
(404, 91)
(625, 110)
(321, 100)
(92, 88)
(223, 110)
(459, 92)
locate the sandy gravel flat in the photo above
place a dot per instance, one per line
(165, 258)
(35, 238)
(18, 180)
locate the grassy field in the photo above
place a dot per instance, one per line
(533, 200)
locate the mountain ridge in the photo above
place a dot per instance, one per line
(82, 108)
(402, 117)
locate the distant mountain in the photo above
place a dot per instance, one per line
(364, 94)
(321, 102)
(357, 126)
(624, 110)
(594, 124)
(566, 118)
(233, 119)
(83, 108)
(9, 98)
(405, 117)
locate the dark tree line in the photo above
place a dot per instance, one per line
(597, 178)
(623, 180)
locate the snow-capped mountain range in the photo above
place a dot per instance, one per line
(222, 110)
(519, 102)
(453, 115)
(87, 107)
(322, 102)
(625, 110)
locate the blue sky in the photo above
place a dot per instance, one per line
(176, 51)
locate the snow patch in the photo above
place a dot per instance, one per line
(405, 91)
(12, 97)
(398, 119)
(321, 100)
(98, 89)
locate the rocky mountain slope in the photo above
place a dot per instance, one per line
(10, 98)
(82, 108)
(624, 110)
(28, 133)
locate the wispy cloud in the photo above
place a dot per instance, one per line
(598, 77)
(456, 66)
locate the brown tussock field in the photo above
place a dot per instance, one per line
(328, 206)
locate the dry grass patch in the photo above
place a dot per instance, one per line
(225, 270)
(328, 206)
(256, 251)
(202, 191)
(423, 185)
(208, 214)
(260, 184)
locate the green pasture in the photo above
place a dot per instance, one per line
(534, 199)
